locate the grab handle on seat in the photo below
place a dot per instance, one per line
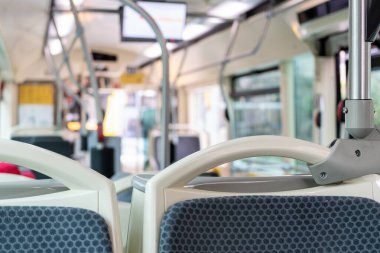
(66, 171)
(183, 171)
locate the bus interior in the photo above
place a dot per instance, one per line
(189, 126)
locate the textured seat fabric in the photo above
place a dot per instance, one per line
(255, 224)
(52, 229)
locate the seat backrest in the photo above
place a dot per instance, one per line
(176, 216)
(242, 224)
(183, 146)
(63, 229)
(184, 140)
(113, 142)
(84, 218)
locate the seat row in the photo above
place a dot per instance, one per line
(175, 211)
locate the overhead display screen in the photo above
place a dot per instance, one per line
(170, 17)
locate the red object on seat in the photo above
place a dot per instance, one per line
(9, 168)
(13, 169)
(100, 133)
(340, 114)
(28, 174)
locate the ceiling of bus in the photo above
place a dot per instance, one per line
(103, 30)
(23, 26)
(194, 6)
(22, 29)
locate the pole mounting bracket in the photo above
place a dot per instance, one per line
(349, 159)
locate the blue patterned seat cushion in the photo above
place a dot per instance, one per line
(256, 224)
(52, 229)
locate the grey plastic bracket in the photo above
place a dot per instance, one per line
(359, 117)
(349, 158)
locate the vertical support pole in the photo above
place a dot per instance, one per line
(66, 58)
(69, 49)
(88, 59)
(59, 121)
(66, 61)
(175, 104)
(360, 54)
(58, 79)
(165, 104)
(229, 108)
(359, 106)
(59, 85)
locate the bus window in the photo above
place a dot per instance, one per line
(375, 90)
(258, 110)
(206, 113)
(256, 103)
(304, 77)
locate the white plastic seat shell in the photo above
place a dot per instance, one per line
(7, 177)
(121, 185)
(87, 189)
(167, 187)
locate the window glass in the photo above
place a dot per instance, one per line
(206, 113)
(258, 115)
(257, 81)
(304, 78)
(257, 110)
(256, 103)
(375, 90)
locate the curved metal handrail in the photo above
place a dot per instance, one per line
(165, 104)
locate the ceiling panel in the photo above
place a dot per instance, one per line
(22, 28)
(195, 6)
(103, 30)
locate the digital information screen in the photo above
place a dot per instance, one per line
(170, 17)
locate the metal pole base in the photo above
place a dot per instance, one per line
(359, 117)
(349, 159)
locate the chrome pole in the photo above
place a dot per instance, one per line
(88, 59)
(360, 54)
(69, 49)
(165, 104)
(359, 106)
(59, 81)
(66, 62)
(227, 100)
(66, 58)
